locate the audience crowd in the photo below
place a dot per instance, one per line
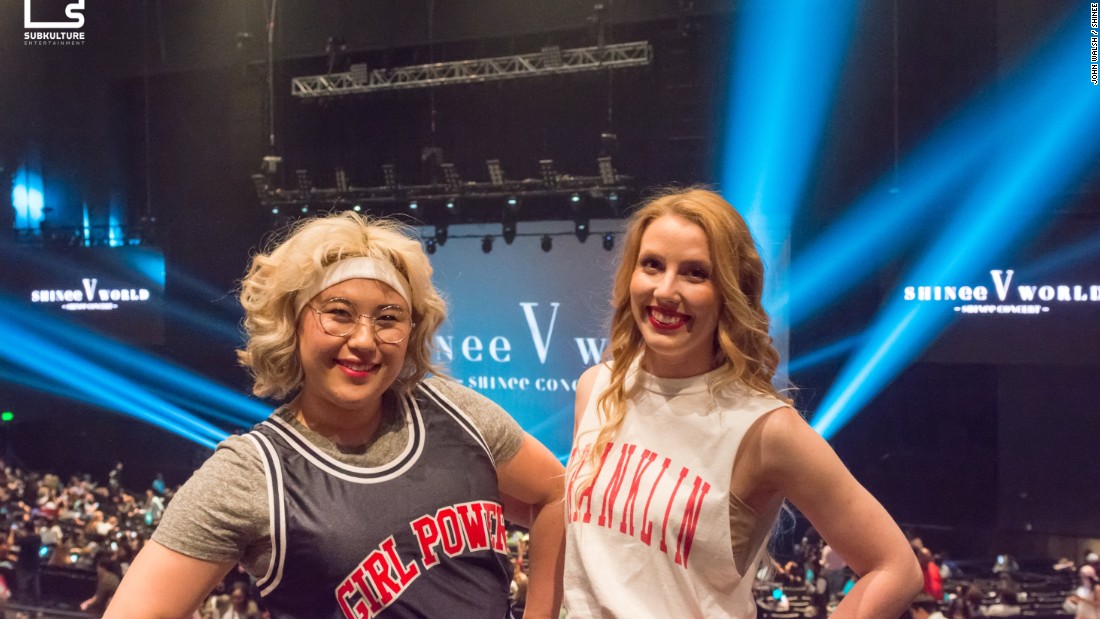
(812, 582)
(80, 526)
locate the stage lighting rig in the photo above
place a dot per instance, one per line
(496, 174)
(580, 220)
(508, 219)
(389, 176)
(549, 174)
(552, 57)
(259, 182)
(305, 182)
(580, 229)
(358, 73)
(443, 195)
(607, 170)
(609, 144)
(551, 60)
(271, 164)
(451, 178)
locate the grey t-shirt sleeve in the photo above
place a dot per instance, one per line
(220, 513)
(503, 435)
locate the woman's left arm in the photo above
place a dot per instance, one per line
(535, 479)
(806, 470)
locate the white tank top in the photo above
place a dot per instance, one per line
(651, 537)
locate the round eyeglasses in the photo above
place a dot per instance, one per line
(340, 318)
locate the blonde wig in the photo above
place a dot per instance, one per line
(744, 349)
(296, 261)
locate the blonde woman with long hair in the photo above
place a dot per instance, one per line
(684, 451)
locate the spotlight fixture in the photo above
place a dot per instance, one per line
(552, 57)
(274, 210)
(496, 174)
(508, 231)
(259, 181)
(486, 244)
(341, 180)
(305, 209)
(413, 205)
(607, 171)
(335, 47)
(429, 246)
(549, 174)
(452, 207)
(576, 197)
(270, 165)
(547, 242)
(431, 161)
(609, 144)
(580, 228)
(441, 234)
(357, 208)
(609, 241)
(359, 73)
(450, 177)
(389, 174)
(580, 219)
(305, 183)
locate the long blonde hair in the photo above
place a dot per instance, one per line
(292, 264)
(744, 347)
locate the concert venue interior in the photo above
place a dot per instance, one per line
(922, 176)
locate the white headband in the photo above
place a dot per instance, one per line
(360, 267)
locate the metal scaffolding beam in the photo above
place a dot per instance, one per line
(551, 61)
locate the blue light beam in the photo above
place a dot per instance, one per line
(1047, 153)
(51, 362)
(825, 353)
(84, 357)
(885, 221)
(187, 388)
(778, 104)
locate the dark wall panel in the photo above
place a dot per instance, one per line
(1049, 469)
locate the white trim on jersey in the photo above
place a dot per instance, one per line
(463, 420)
(358, 474)
(273, 472)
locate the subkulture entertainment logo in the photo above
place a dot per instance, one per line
(54, 33)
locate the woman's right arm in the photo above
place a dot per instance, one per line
(802, 467)
(164, 584)
(207, 528)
